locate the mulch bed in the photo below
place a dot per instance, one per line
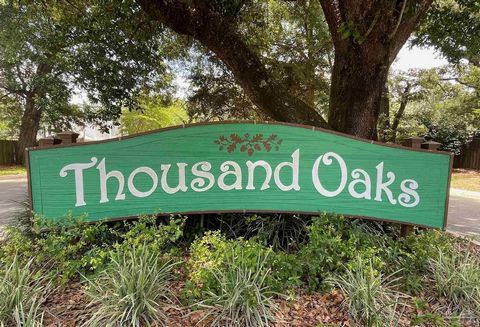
(66, 307)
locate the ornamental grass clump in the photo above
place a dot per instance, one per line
(243, 298)
(371, 297)
(456, 276)
(132, 291)
(22, 293)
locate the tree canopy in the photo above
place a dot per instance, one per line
(109, 50)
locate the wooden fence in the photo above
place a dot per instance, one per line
(469, 157)
(8, 152)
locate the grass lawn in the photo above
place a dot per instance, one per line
(12, 170)
(466, 179)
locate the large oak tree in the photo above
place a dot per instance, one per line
(367, 36)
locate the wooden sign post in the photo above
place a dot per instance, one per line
(240, 167)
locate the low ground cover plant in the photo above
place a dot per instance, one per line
(126, 270)
(456, 276)
(372, 298)
(22, 292)
(132, 290)
(240, 294)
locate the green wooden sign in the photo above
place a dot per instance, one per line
(240, 167)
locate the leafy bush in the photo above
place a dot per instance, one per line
(370, 296)
(243, 297)
(418, 249)
(132, 290)
(214, 252)
(21, 294)
(147, 232)
(456, 276)
(334, 244)
(65, 250)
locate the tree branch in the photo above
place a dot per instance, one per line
(405, 28)
(218, 35)
(331, 13)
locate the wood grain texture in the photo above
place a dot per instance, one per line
(53, 196)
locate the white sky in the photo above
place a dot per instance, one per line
(420, 58)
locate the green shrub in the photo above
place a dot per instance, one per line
(213, 252)
(21, 294)
(412, 255)
(132, 290)
(243, 297)
(418, 249)
(334, 244)
(146, 231)
(456, 276)
(73, 247)
(370, 296)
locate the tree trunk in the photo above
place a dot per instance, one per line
(28, 128)
(383, 126)
(367, 36)
(356, 93)
(401, 110)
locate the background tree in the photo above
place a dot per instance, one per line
(110, 50)
(154, 112)
(452, 27)
(291, 39)
(442, 104)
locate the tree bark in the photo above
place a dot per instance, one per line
(33, 113)
(219, 35)
(29, 127)
(401, 110)
(356, 93)
(367, 36)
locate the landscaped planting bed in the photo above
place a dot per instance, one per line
(236, 270)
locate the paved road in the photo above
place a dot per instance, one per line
(13, 191)
(463, 213)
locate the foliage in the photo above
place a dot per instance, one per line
(154, 113)
(290, 38)
(456, 276)
(213, 253)
(147, 232)
(334, 243)
(49, 50)
(452, 26)
(441, 104)
(370, 296)
(132, 290)
(243, 296)
(22, 292)
(74, 247)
